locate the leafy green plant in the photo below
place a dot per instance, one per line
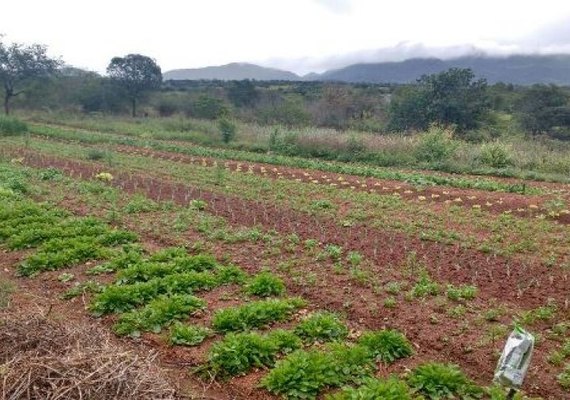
(439, 381)
(564, 378)
(375, 389)
(238, 353)
(158, 313)
(333, 251)
(386, 345)
(436, 145)
(425, 286)
(496, 155)
(187, 335)
(265, 284)
(140, 204)
(321, 326)
(10, 126)
(81, 288)
(255, 314)
(463, 292)
(303, 374)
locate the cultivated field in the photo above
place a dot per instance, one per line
(255, 276)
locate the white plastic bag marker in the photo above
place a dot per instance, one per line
(514, 361)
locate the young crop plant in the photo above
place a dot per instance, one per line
(437, 381)
(425, 286)
(564, 378)
(255, 314)
(265, 284)
(375, 389)
(157, 314)
(303, 374)
(463, 292)
(333, 251)
(187, 335)
(321, 326)
(238, 353)
(386, 345)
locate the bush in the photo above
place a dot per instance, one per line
(436, 145)
(386, 345)
(374, 389)
(227, 129)
(265, 284)
(496, 155)
(322, 326)
(10, 126)
(438, 381)
(255, 314)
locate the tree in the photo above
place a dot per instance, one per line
(243, 93)
(21, 64)
(543, 108)
(136, 74)
(451, 97)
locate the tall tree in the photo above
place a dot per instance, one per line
(136, 74)
(543, 108)
(451, 97)
(19, 65)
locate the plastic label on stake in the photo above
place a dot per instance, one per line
(514, 361)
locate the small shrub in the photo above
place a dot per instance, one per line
(227, 129)
(322, 326)
(435, 146)
(187, 335)
(496, 155)
(375, 389)
(10, 126)
(439, 381)
(96, 154)
(265, 284)
(386, 345)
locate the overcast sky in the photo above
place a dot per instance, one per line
(299, 35)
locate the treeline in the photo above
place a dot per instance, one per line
(454, 99)
(475, 110)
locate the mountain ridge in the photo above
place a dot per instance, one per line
(515, 69)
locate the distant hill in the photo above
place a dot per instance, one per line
(518, 69)
(233, 71)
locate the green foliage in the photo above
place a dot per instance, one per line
(386, 345)
(255, 314)
(265, 284)
(81, 288)
(208, 108)
(564, 378)
(321, 326)
(425, 286)
(227, 130)
(10, 126)
(96, 154)
(158, 313)
(187, 335)
(496, 155)
(451, 97)
(436, 145)
(439, 381)
(303, 374)
(140, 204)
(238, 353)
(463, 292)
(542, 108)
(375, 389)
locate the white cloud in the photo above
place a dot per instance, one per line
(300, 34)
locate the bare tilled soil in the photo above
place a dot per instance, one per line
(519, 285)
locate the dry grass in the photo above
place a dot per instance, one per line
(42, 359)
